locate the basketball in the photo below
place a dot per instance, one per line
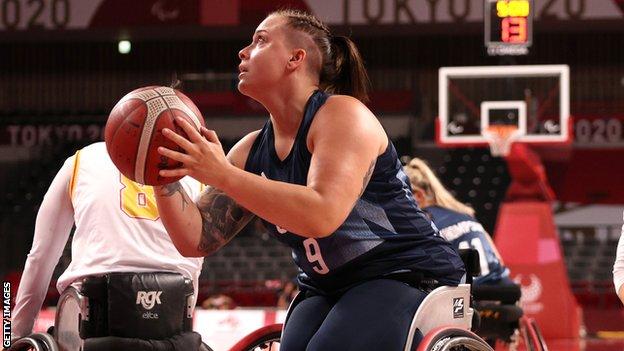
(133, 132)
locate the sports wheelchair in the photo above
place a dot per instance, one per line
(502, 322)
(446, 318)
(450, 318)
(85, 319)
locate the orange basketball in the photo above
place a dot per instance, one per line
(134, 131)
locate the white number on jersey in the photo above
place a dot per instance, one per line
(476, 244)
(313, 252)
(138, 201)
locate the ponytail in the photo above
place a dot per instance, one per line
(347, 74)
(340, 65)
(422, 177)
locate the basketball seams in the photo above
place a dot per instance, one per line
(156, 104)
(161, 91)
(120, 126)
(143, 132)
(121, 114)
(145, 95)
(154, 108)
(173, 101)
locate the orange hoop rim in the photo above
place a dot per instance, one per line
(501, 137)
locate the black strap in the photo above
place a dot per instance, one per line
(505, 293)
(414, 279)
(189, 341)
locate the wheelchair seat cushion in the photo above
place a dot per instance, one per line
(147, 306)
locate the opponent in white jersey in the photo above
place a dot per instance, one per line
(618, 267)
(118, 229)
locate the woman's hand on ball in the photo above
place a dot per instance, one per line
(204, 159)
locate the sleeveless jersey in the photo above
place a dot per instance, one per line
(118, 228)
(463, 231)
(384, 233)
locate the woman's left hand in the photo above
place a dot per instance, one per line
(204, 158)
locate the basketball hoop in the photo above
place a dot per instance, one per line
(501, 137)
(473, 98)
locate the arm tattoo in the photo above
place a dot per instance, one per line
(173, 188)
(222, 219)
(367, 177)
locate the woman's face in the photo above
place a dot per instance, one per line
(263, 62)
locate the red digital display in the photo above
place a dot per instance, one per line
(514, 30)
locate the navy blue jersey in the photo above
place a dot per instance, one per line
(385, 232)
(463, 231)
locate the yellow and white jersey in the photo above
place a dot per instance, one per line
(118, 228)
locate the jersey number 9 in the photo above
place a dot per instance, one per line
(313, 253)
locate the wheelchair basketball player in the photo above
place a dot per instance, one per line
(138, 289)
(458, 225)
(326, 180)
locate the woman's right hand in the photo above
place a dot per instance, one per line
(203, 159)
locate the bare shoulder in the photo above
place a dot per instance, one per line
(345, 116)
(346, 104)
(240, 151)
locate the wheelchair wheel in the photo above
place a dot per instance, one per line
(204, 347)
(531, 335)
(24, 344)
(266, 338)
(35, 342)
(46, 340)
(453, 339)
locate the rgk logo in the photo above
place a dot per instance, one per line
(458, 307)
(148, 299)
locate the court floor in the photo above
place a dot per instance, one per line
(588, 344)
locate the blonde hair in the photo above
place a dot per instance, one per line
(422, 177)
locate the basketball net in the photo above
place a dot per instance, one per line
(501, 137)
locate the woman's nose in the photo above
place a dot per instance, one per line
(242, 54)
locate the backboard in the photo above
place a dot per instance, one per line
(531, 102)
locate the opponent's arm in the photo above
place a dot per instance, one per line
(52, 228)
(202, 227)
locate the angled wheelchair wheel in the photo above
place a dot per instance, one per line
(35, 342)
(453, 339)
(46, 340)
(531, 335)
(24, 344)
(266, 338)
(205, 347)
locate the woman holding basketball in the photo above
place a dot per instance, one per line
(326, 180)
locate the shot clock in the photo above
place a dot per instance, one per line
(508, 26)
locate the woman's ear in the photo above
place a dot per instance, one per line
(296, 59)
(420, 196)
